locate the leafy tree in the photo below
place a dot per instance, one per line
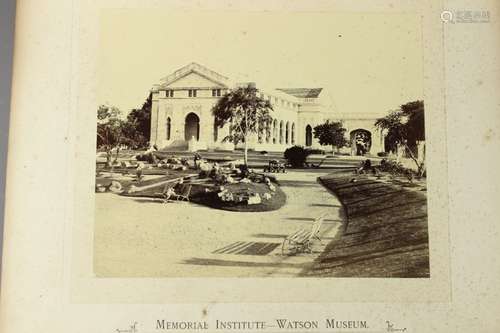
(112, 131)
(140, 119)
(331, 133)
(246, 113)
(404, 128)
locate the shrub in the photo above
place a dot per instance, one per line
(396, 169)
(296, 156)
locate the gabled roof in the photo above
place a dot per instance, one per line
(194, 68)
(302, 92)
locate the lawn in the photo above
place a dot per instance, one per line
(127, 176)
(203, 190)
(386, 230)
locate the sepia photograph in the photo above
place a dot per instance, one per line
(244, 166)
(259, 144)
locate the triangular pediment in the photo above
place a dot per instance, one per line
(194, 76)
(194, 80)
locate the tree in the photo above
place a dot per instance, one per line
(405, 127)
(246, 113)
(140, 119)
(112, 131)
(331, 133)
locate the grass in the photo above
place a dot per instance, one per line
(385, 234)
(200, 195)
(202, 190)
(127, 182)
(212, 200)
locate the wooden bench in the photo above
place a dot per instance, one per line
(183, 193)
(301, 240)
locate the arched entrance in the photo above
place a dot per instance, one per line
(361, 142)
(308, 135)
(192, 127)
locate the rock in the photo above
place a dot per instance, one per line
(267, 196)
(254, 199)
(203, 166)
(116, 187)
(100, 188)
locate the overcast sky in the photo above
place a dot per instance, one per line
(366, 62)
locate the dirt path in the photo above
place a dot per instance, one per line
(141, 237)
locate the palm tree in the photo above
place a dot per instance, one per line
(246, 113)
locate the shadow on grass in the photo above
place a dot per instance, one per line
(385, 235)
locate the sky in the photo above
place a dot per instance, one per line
(367, 63)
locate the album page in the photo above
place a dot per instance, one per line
(242, 166)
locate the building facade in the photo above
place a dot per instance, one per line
(182, 115)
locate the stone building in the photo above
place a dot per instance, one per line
(182, 115)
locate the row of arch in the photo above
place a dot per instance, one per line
(276, 133)
(280, 133)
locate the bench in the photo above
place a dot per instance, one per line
(275, 166)
(301, 240)
(169, 192)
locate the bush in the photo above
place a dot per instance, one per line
(296, 156)
(396, 169)
(382, 154)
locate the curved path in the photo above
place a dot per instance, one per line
(141, 238)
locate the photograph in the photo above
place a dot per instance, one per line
(260, 144)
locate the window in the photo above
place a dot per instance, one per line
(215, 92)
(287, 132)
(169, 124)
(216, 132)
(169, 93)
(192, 92)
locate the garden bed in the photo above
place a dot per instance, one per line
(203, 190)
